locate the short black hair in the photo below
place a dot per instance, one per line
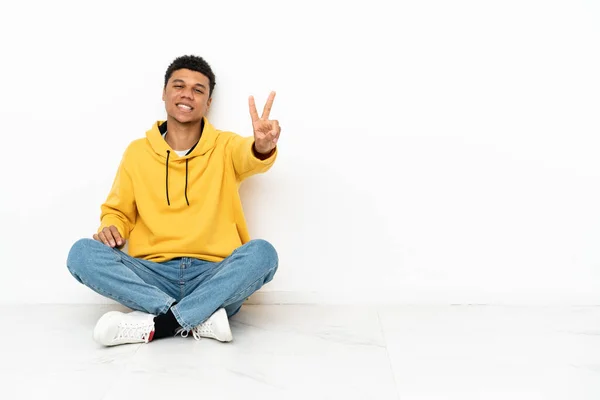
(193, 63)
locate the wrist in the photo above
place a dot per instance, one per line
(262, 155)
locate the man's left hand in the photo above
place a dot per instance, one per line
(266, 132)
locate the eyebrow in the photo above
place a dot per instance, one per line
(182, 81)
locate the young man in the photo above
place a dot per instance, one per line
(191, 263)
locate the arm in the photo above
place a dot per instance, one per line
(246, 159)
(119, 210)
(256, 154)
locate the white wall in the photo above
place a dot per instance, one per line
(432, 151)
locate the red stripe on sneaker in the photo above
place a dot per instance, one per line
(151, 335)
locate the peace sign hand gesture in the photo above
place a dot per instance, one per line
(266, 132)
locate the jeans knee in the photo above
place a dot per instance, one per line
(78, 254)
(265, 253)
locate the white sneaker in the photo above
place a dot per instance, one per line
(115, 328)
(215, 327)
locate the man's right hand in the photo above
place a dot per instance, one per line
(110, 236)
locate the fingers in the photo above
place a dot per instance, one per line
(252, 106)
(266, 140)
(275, 131)
(101, 235)
(110, 236)
(267, 131)
(116, 235)
(268, 106)
(266, 110)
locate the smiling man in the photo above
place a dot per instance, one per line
(190, 262)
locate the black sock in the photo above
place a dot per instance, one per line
(165, 325)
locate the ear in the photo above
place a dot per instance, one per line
(164, 94)
(208, 102)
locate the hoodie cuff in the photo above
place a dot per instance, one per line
(261, 156)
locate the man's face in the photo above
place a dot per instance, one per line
(186, 96)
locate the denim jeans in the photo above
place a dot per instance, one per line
(199, 287)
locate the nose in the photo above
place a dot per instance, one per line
(188, 93)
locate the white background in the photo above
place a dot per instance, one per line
(431, 152)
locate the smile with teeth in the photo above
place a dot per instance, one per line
(184, 107)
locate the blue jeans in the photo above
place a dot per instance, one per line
(199, 287)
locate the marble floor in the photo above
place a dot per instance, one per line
(313, 352)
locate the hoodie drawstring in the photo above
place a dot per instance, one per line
(186, 176)
(167, 176)
(167, 179)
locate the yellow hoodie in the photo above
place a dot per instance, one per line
(148, 202)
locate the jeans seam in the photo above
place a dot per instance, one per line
(235, 295)
(167, 306)
(110, 295)
(187, 327)
(117, 254)
(147, 270)
(169, 300)
(123, 258)
(123, 301)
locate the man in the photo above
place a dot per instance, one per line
(190, 262)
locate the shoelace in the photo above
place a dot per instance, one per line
(128, 330)
(204, 329)
(183, 333)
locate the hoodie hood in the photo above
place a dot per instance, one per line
(208, 140)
